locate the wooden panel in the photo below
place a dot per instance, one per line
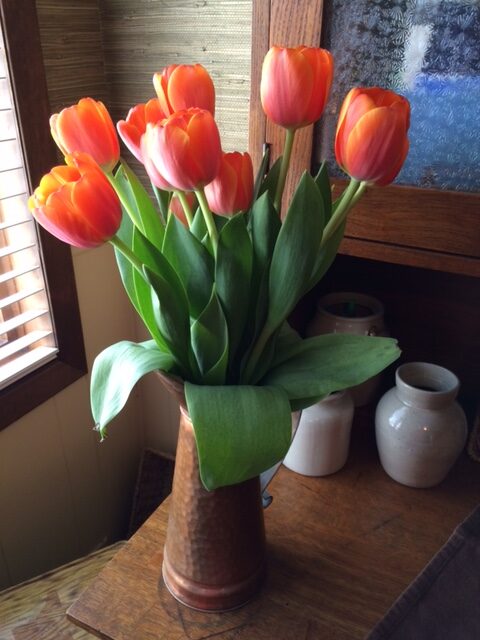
(444, 221)
(325, 537)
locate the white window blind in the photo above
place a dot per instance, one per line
(27, 337)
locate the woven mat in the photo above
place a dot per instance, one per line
(443, 602)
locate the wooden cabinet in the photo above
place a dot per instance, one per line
(418, 250)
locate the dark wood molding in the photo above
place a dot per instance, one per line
(24, 54)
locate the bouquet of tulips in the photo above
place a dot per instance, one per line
(210, 263)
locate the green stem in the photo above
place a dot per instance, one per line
(208, 217)
(156, 192)
(186, 206)
(349, 197)
(287, 154)
(128, 253)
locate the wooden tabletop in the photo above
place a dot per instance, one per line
(341, 550)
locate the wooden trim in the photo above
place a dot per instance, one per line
(24, 53)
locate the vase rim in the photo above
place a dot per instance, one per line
(424, 383)
(372, 304)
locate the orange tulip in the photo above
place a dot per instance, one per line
(181, 86)
(135, 125)
(184, 149)
(76, 203)
(371, 142)
(232, 190)
(87, 127)
(295, 85)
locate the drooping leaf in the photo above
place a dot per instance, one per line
(192, 262)
(210, 342)
(318, 366)
(295, 251)
(115, 372)
(233, 272)
(240, 430)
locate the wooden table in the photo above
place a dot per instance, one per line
(341, 550)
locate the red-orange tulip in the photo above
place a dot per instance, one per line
(232, 189)
(371, 143)
(76, 203)
(295, 85)
(132, 129)
(87, 127)
(181, 86)
(185, 149)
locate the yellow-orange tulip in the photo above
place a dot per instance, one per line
(232, 189)
(88, 128)
(182, 86)
(184, 149)
(76, 203)
(295, 85)
(132, 129)
(371, 142)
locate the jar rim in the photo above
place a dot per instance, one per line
(372, 304)
(426, 380)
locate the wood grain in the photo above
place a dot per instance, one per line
(341, 549)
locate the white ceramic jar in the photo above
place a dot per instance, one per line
(356, 313)
(321, 443)
(419, 427)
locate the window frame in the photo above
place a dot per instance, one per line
(24, 55)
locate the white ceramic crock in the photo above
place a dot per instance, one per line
(420, 429)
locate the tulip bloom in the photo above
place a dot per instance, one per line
(295, 85)
(182, 86)
(76, 203)
(371, 142)
(232, 190)
(87, 127)
(132, 129)
(184, 149)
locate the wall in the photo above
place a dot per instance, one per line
(62, 493)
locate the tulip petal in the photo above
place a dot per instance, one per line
(191, 86)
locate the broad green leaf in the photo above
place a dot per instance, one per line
(115, 372)
(210, 342)
(170, 307)
(265, 226)
(233, 272)
(240, 430)
(261, 173)
(199, 228)
(323, 183)
(192, 262)
(318, 366)
(325, 257)
(148, 217)
(269, 185)
(295, 251)
(163, 200)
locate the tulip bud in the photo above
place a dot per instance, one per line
(132, 129)
(371, 142)
(184, 149)
(232, 189)
(182, 86)
(76, 203)
(87, 127)
(295, 85)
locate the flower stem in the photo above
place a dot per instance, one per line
(208, 217)
(349, 197)
(128, 253)
(287, 154)
(156, 192)
(186, 206)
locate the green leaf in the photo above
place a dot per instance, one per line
(265, 226)
(323, 183)
(199, 227)
(240, 430)
(269, 185)
(233, 271)
(192, 262)
(210, 342)
(170, 307)
(147, 218)
(115, 372)
(261, 174)
(318, 366)
(325, 257)
(295, 251)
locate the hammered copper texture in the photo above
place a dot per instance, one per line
(214, 554)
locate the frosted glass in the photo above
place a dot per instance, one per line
(427, 50)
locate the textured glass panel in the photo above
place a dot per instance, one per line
(427, 50)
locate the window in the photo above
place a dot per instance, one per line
(41, 345)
